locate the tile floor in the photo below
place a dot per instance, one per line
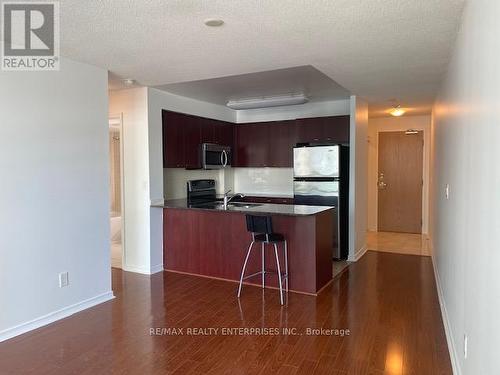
(400, 243)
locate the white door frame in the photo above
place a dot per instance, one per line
(116, 121)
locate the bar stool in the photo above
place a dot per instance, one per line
(261, 228)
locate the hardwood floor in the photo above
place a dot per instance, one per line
(388, 302)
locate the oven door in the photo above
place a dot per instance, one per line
(215, 156)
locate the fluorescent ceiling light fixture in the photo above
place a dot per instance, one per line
(268, 101)
(397, 111)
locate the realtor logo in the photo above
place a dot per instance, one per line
(30, 35)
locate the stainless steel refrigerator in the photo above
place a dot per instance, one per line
(321, 178)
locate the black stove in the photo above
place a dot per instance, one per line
(201, 193)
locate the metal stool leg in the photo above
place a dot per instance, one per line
(279, 271)
(263, 266)
(244, 267)
(286, 266)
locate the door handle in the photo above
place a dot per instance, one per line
(222, 158)
(380, 182)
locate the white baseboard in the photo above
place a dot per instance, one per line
(54, 316)
(157, 268)
(136, 269)
(359, 254)
(446, 321)
(143, 270)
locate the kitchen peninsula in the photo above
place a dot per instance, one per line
(212, 241)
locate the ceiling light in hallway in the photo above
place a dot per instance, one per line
(128, 81)
(397, 111)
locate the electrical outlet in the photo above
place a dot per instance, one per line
(466, 342)
(63, 279)
(447, 191)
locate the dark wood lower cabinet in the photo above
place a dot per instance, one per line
(214, 244)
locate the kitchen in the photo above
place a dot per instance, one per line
(293, 170)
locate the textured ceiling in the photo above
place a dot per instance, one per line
(303, 79)
(377, 49)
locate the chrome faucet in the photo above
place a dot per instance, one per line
(228, 199)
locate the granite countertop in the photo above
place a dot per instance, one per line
(250, 208)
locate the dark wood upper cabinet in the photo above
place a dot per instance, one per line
(192, 140)
(173, 139)
(332, 129)
(251, 145)
(280, 144)
(336, 129)
(259, 144)
(310, 130)
(183, 135)
(208, 130)
(223, 133)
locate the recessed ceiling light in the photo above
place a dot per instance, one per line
(214, 22)
(397, 111)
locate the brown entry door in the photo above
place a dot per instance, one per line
(400, 169)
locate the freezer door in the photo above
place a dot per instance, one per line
(319, 161)
(321, 193)
(316, 193)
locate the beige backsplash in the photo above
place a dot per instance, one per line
(262, 181)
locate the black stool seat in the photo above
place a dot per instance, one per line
(271, 237)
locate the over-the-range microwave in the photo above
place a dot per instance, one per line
(215, 156)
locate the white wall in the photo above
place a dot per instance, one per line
(466, 226)
(133, 105)
(358, 181)
(320, 109)
(54, 214)
(381, 124)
